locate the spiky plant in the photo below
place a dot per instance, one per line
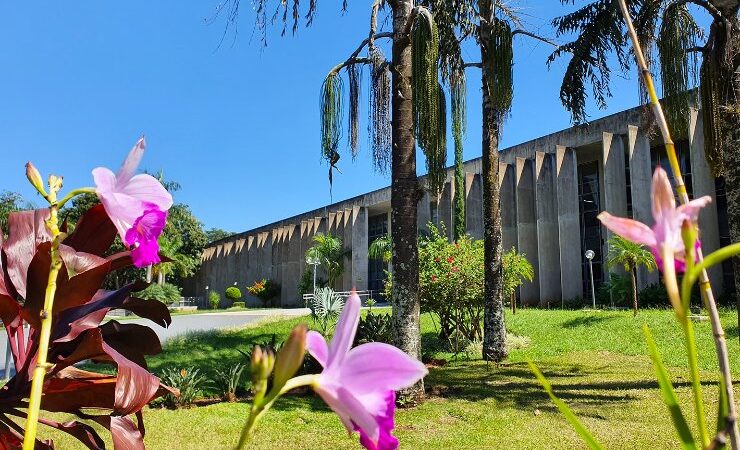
(630, 256)
(330, 250)
(381, 248)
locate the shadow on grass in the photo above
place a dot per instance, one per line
(586, 321)
(732, 331)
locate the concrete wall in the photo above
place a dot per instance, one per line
(540, 214)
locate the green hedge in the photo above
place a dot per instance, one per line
(239, 305)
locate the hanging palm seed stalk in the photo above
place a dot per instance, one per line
(379, 125)
(501, 76)
(331, 115)
(353, 74)
(458, 112)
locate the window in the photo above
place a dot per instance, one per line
(589, 199)
(377, 226)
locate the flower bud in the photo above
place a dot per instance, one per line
(262, 364)
(34, 177)
(290, 356)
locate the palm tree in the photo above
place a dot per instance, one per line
(517, 270)
(671, 28)
(381, 248)
(330, 251)
(627, 254)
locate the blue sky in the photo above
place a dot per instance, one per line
(236, 125)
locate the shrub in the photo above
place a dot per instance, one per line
(325, 308)
(265, 290)
(233, 293)
(305, 286)
(190, 383)
(374, 328)
(214, 299)
(165, 293)
(229, 381)
(239, 305)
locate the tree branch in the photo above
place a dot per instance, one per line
(537, 37)
(472, 64)
(353, 59)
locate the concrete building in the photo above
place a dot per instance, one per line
(552, 189)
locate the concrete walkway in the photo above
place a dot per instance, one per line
(186, 323)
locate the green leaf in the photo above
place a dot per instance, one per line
(586, 435)
(669, 394)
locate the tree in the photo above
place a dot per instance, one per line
(517, 270)
(629, 255)
(381, 248)
(215, 234)
(671, 28)
(330, 251)
(10, 202)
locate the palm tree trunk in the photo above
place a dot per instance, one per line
(494, 328)
(404, 199)
(634, 290)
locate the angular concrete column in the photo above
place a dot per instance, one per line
(446, 208)
(292, 274)
(641, 177)
(702, 183)
(359, 248)
(569, 226)
(423, 215)
(507, 188)
(615, 184)
(548, 244)
(527, 226)
(474, 205)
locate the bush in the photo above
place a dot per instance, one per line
(265, 290)
(325, 308)
(239, 305)
(214, 299)
(229, 381)
(305, 286)
(190, 383)
(233, 293)
(165, 293)
(374, 328)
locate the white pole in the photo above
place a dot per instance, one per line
(593, 288)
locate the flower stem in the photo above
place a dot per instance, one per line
(705, 287)
(260, 407)
(72, 194)
(39, 372)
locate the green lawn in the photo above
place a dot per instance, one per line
(596, 362)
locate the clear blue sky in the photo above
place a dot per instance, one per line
(238, 125)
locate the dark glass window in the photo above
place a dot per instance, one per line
(434, 212)
(628, 180)
(377, 226)
(728, 273)
(589, 199)
(658, 156)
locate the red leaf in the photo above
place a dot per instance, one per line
(78, 281)
(83, 432)
(132, 340)
(126, 435)
(94, 232)
(27, 231)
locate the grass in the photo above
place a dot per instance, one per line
(596, 361)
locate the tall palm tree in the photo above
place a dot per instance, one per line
(673, 29)
(630, 256)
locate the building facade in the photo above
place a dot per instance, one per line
(552, 189)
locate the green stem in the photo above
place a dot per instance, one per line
(260, 407)
(74, 193)
(701, 418)
(710, 260)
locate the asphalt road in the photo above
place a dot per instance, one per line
(182, 324)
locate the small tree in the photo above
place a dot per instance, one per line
(233, 293)
(517, 270)
(331, 252)
(381, 248)
(214, 299)
(630, 256)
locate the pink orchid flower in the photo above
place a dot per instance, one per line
(665, 234)
(359, 384)
(136, 204)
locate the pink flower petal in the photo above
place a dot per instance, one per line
(344, 333)
(379, 367)
(361, 417)
(149, 189)
(128, 168)
(629, 229)
(316, 346)
(664, 203)
(386, 441)
(691, 209)
(145, 254)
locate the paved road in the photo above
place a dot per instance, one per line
(182, 324)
